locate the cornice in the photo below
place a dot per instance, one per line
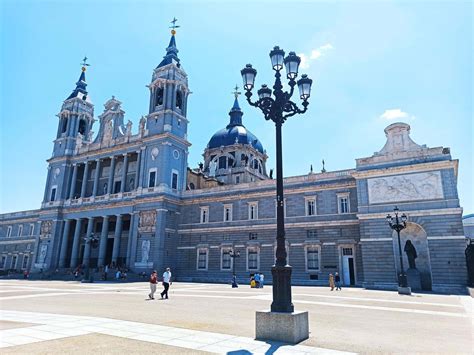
(411, 168)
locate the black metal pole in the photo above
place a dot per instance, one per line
(281, 272)
(402, 279)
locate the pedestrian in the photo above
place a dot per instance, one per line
(153, 282)
(234, 282)
(337, 278)
(261, 280)
(331, 281)
(118, 275)
(257, 280)
(106, 270)
(166, 282)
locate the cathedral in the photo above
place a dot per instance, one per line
(131, 192)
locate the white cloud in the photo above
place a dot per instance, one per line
(304, 61)
(395, 114)
(314, 55)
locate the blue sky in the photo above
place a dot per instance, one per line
(373, 63)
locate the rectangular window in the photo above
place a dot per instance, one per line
(3, 262)
(310, 206)
(252, 259)
(227, 213)
(346, 251)
(222, 162)
(174, 180)
(9, 231)
(312, 258)
(311, 234)
(25, 262)
(226, 260)
(253, 210)
(202, 259)
(204, 214)
(237, 179)
(13, 262)
(20, 230)
(32, 229)
(343, 206)
(152, 178)
(252, 236)
(53, 194)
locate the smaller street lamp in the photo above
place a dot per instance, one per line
(91, 241)
(398, 224)
(234, 255)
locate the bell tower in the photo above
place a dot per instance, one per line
(75, 118)
(167, 124)
(169, 94)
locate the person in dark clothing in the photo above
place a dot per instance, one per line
(166, 283)
(337, 278)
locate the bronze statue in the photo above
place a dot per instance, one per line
(411, 254)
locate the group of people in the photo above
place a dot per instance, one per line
(335, 281)
(257, 280)
(166, 284)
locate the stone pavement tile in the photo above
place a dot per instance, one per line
(215, 348)
(241, 345)
(118, 333)
(152, 338)
(4, 344)
(202, 339)
(71, 332)
(39, 334)
(19, 339)
(180, 343)
(4, 324)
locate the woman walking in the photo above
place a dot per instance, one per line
(331, 282)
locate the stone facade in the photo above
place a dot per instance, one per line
(136, 193)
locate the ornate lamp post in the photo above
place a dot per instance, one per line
(234, 255)
(278, 108)
(398, 224)
(91, 241)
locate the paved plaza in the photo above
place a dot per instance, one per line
(70, 317)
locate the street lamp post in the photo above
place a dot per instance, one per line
(234, 255)
(398, 224)
(92, 241)
(278, 108)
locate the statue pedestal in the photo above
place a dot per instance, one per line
(286, 327)
(414, 279)
(404, 290)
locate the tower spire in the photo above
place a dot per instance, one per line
(171, 51)
(235, 112)
(80, 90)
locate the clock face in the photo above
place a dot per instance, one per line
(175, 154)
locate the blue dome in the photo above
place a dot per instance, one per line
(235, 132)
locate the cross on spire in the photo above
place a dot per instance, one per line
(174, 26)
(84, 64)
(236, 91)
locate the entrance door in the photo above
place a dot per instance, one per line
(348, 272)
(109, 251)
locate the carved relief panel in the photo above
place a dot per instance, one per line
(147, 221)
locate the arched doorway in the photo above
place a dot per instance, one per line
(417, 235)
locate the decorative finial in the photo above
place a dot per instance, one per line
(236, 91)
(174, 26)
(311, 169)
(323, 170)
(84, 64)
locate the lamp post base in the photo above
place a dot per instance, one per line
(282, 289)
(285, 327)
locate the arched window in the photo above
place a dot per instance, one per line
(191, 186)
(159, 97)
(64, 126)
(179, 100)
(82, 127)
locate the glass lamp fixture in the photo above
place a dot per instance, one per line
(264, 92)
(304, 86)
(248, 76)
(292, 62)
(277, 55)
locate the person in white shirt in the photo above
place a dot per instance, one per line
(166, 283)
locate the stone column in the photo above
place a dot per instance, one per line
(96, 177)
(137, 172)
(134, 234)
(142, 176)
(129, 241)
(87, 246)
(62, 253)
(110, 187)
(73, 182)
(84, 179)
(75, 244)
(117, 236)
(124, 173)
(103, 241)
(160, 236)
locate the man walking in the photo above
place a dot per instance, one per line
(338, 282)
(153, 282)
(166, 282)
